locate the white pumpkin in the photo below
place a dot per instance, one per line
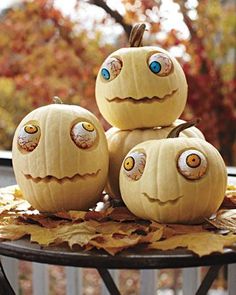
(141, 87)
(60, 158)
(173, 180)
(120, 142)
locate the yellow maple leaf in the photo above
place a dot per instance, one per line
(202, 243)
(115, 244)
(225, 220)
(62, 233)
(15, 231)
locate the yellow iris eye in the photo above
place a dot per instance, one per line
(30, 129)
(129, 163)
(84, 134)
(193, 160)
(88, 126)
(192, 164)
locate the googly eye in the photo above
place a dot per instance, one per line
(160, 64)
(192, 164)
(111, 68)
(134, 165)
(28, 137)
(83, 134)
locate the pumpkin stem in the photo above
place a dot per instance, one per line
(57, 100)
(136, 35)
(176, 131)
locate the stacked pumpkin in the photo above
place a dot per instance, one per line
(141, 91)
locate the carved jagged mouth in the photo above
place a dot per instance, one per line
(143, 99)
(50, 178)
(161, 203)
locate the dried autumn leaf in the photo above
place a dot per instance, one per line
(63, 233)
(42, 220)
(111, 227)
(202, 243)
(114, 244)
(71, 215)
(153, 236)
(15, 231)
(10, 206)
(121, 214)
(112, 230)
(224, 219)
(11, 199)
(181, 229)
(230, 197)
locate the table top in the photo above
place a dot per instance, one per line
(131, 259)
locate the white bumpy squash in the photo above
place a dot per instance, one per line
(120, 142)
(140, 86)
(173, 180)
(60, 158)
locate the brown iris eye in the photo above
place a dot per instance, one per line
(129, 163)
(30, 129)
(193, 160)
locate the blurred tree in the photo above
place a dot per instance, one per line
(44, 55)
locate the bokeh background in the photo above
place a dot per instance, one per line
(55, 48)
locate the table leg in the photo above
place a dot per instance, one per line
(108, 281)
(4, 283)
(208, 280)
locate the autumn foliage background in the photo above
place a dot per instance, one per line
(43, 54)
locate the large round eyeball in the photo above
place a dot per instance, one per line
(160, 64)
(28, 137)
(134, 164)
(192, 164)
(111, 68)
(84, 134)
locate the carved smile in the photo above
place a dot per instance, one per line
(143, 99)
(161, 203)
(50, 178)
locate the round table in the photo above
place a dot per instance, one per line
(136, 258)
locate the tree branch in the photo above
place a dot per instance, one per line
(114, 14)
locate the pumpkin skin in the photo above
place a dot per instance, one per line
(120, 142)
(137, 97)
(57, 174)
(162, 190)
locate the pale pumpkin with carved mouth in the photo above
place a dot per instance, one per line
(173, 180)
(60, 158)
(141, 86)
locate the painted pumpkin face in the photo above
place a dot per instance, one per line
(120, 142)
(60, 158)
(173, 180)
(141, 87)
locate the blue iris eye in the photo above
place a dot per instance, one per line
(105, 73)
(155, 67)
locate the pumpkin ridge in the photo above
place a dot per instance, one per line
(161, 203)
(144, 99)
(49, 178)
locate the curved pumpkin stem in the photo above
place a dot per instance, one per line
(57, 100)
(176, 131)
(136, 35)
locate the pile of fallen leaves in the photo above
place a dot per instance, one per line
(112, 229)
